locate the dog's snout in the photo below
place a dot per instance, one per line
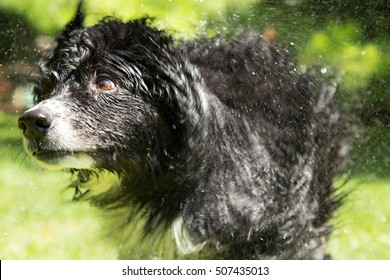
(35, 123)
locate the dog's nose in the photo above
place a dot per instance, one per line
(35, 123)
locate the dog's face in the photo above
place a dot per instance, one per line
(95, 97)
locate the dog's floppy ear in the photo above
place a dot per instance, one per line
(74, 24)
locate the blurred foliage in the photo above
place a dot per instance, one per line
(370, 153)
(372, 16)
(184, 16)
(339, 45)
(16, 37)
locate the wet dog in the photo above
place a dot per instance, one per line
(226, 145)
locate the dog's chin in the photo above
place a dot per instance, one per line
(59, 160)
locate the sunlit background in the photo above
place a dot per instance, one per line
(349, 40)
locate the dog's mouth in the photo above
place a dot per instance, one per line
(50, 155)
(62, 159)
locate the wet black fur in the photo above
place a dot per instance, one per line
(249, 169)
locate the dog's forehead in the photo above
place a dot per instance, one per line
(105, 37)
(113, 42)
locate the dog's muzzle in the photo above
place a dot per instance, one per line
(50, 138)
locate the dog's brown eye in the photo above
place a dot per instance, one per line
(105, 85)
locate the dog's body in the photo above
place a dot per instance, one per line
(225, 143)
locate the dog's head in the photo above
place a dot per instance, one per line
(99, 97)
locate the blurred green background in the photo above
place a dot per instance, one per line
(348, 39)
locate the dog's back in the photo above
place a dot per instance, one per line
(281, 141)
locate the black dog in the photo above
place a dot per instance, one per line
(225, 145)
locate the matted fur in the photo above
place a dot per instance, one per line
(226, 145)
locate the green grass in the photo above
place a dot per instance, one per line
(38, 221)
(362, 224)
